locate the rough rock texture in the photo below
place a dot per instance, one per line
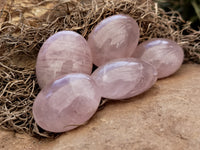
(166, 117)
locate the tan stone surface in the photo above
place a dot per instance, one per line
(167, 117)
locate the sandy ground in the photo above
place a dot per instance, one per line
(167, 117)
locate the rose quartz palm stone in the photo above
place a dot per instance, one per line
(124, 78)
(114, 37)
(66, 103)
(164, 54)
(64, 52)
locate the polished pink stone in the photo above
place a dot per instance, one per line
(64, 52)
(66, 103)
(124, 78)
(164, 54)
(114, 37)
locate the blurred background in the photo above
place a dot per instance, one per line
(189, 9)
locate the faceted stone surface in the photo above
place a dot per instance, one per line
(164, 54)
(66, 103)
(114, 37)
(64, 52)
(124, 78)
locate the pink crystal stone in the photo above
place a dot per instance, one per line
(64, 52)
(124, 78)
(164, 54)
(114, 37)
(66, 103)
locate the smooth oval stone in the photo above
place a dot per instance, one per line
(124, 78)
(66, 103)
(114, 37)
(164, 54)
(64, 52)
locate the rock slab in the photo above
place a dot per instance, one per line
(165, 117)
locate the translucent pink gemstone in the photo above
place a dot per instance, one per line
(114, 37)
(124, 78)
(67, 103)
(164, 54)
(64, 52)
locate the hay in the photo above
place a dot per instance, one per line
(23, 31)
